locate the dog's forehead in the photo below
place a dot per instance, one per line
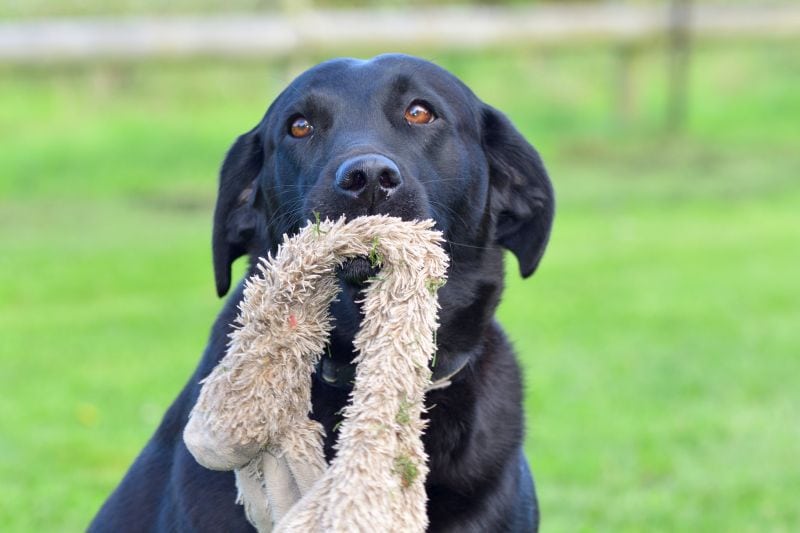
(392, 71)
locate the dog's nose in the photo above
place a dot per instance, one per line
(366, 175)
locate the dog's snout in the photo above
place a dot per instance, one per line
(365, 175)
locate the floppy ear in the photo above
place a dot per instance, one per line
(521, 193)
(236, 217)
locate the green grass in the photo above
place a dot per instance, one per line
(659, 338)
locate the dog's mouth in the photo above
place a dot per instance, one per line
(356, 271)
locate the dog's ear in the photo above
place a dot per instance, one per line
(236, 217)
(521, 193)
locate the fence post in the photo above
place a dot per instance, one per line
(624, 90)
(679, 49)
(296, 60)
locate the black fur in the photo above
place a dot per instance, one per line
(486, 188)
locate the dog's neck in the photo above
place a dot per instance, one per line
(468, 303)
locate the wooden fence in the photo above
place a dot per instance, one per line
(281, 34)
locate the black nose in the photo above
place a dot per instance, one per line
(366, 176)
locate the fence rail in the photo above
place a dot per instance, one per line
(280, 34)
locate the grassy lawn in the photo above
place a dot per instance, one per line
(659, 339)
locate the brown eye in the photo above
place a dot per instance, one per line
(417, 113)
(300, 127)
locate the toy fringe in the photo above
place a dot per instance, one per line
(252, 412)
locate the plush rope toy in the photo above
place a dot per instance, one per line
(252, 412)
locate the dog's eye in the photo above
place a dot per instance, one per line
(300, 127)
(418, 113)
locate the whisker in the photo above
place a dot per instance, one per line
(465, 245)
(440, 180)
(285, 213)
(450, 210)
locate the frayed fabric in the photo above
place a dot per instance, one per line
(252, 412)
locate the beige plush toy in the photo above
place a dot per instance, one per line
(252, 413)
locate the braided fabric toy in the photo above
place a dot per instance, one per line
(252, 415)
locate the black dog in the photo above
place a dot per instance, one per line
(400, 136)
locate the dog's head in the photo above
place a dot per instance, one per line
(394, 135)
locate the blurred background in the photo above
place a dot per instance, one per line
(659, 338)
